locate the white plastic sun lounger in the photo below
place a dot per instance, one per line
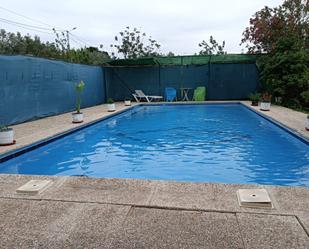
(140, 95)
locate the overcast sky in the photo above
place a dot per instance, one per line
(178, 25)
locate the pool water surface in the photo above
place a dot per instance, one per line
(225, 143)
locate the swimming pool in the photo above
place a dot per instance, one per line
(225, 143)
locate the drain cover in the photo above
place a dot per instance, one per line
(33, 187)
(254, 198)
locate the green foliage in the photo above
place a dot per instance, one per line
(255, 97)
(212, 47)
(110, 101)
(131, 45)
(266, 97)
(269, 25)
(285, 72)
(283, 33)
(12, 44)
(79, 88)
(4, 128)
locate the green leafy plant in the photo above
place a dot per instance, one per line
(79, 89)
(281, 34)
(4, 128)
(254, 97)
(127, 99)
(110, 101)
(266, 97)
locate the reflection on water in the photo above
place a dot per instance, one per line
(214, 143)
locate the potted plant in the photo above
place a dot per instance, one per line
(254, 97)
(6, 135)
(265, 101)
(307, 123)
(127, 101)
(78, 117)
(111, 105)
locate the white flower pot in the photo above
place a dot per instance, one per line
(7, 137)
(111, 107)
(307, 124)
(77, 117)
(265, 106)
(127, 102)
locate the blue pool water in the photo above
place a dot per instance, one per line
(201, 143)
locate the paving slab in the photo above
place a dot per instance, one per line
(47, 224)
(183, 195)
(303, 218)
(9, 183)
(290, 199)
(159, 228)
(272, 231)
(103, 190)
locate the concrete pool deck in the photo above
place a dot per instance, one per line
(81, 212)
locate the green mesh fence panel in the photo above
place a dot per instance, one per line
(185, 60)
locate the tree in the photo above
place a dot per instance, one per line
(282, 35)
(285, 72)
(131, 44)
(11, 43)
(212, 47)
(268, 25)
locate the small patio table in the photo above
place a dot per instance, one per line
(184, 92)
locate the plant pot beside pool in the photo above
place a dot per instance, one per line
(265, 102)
(78, 117)
(307, 123)
(127, 102)
(254, 103)
(254, 97)
(265, 105)
(111, 107)
(6, 136)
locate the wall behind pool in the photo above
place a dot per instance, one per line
(223, 81)
(32, 87)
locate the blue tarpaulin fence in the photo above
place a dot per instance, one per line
(32, 88)
(222, 81)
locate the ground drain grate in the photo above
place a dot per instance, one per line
(254, 198)
(33, 187)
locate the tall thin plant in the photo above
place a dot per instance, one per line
(79, 89)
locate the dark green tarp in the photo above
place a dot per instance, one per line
(185, 60)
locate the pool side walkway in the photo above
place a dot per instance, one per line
(81, 212)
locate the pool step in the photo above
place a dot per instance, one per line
(254, 198)
(33, 187)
